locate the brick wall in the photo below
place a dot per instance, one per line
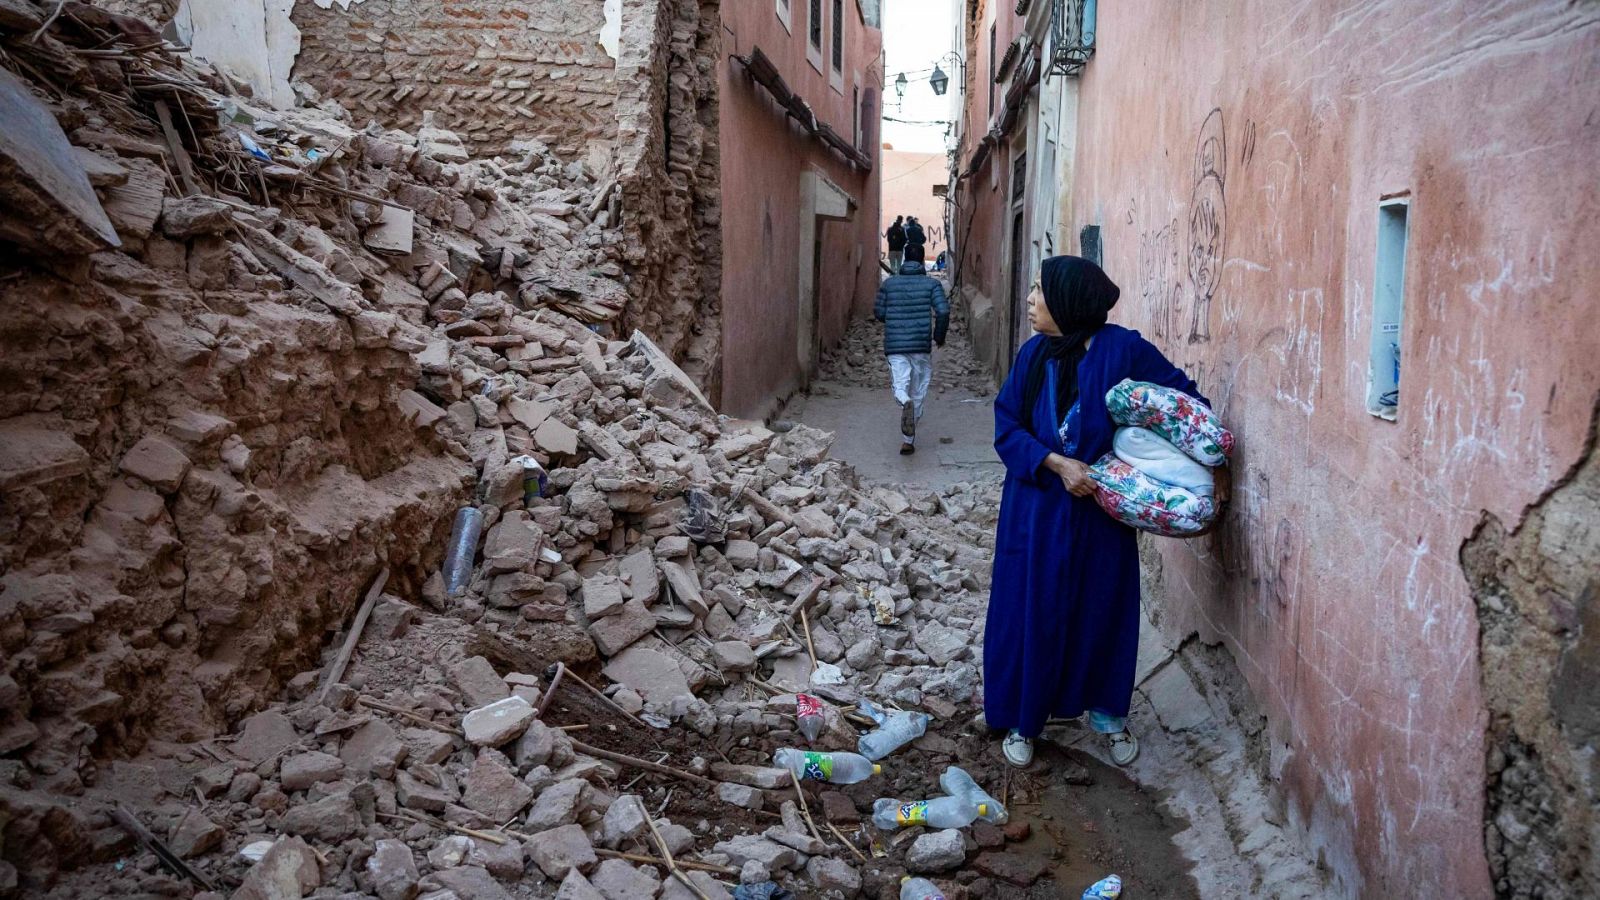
(492, 70)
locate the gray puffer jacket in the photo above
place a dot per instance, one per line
(913, 310)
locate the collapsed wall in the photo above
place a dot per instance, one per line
(627, 89)
(1535, 588)
(226, 345)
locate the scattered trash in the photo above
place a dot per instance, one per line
(702, 520)
(894, 730)
(463, 548)
(255, 850)
(1107, 888)
(957, 783)
(834, 768)
(254, 149)
(919, 889)
(534, 479)
(766, 890)
(941, 812)
(808, 710)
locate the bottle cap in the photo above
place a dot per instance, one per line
(983, 809)
(877, 769)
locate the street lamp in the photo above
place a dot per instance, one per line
(900, 86)
(939, 80)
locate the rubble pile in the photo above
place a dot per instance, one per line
(260, 358)
(858, 360)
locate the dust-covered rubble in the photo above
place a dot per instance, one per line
(296, 349)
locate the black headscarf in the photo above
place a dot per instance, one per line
(1079, 295)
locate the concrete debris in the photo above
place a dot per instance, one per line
(324, 384)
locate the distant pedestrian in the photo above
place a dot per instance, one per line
(916, 237)
(897, 244)
(915, 316)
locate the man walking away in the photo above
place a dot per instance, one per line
(897, 244)
(916, 237)
(915, 316)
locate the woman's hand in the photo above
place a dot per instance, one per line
(1074, 475)
(1222, 483)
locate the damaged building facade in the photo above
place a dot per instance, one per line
(1373, 255)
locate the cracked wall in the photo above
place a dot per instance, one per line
(1535, 586)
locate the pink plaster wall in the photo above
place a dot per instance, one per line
(908, 180)
(1336, 582)
(764, 154)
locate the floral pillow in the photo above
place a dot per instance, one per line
(1176, 416)
(1139, 501)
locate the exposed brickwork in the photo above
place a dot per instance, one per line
(492, 70)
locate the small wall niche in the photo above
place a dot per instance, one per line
(1388, 308)
(1089, 244)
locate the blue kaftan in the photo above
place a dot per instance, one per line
(1062, 633)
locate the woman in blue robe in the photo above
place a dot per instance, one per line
(1062, 632)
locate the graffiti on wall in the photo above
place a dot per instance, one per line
(1208, 222)
(1161, 283)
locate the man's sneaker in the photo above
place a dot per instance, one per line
(1017, 749)
(908, 419)
(1124, 748)
(907, 448)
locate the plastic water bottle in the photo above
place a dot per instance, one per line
(894, 730)
(943, 812)
(1107, 888)
(808, 710)
(463, 548)
(919, 889)
(834, 768)
(957, 783)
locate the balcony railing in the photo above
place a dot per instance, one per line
(1071, 43)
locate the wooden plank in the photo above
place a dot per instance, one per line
(180, 156)
(336, 668)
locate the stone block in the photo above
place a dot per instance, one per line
(561, 850)
(614, 633)
(478, 682)
(651, 673)
(157, 462)
(498, 722)
(492, 788)
(937, 851)
(303, 770)
(393, 870)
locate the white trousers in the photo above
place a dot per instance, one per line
(910, 374)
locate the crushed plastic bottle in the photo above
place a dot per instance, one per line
(808, 710)
(462, 550)
(534, 479)
(957, 783)
(1107, 888)
(919, 889)
(894, 730)
(834, 768)
(942, 812)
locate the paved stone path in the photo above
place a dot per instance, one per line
(955, 439)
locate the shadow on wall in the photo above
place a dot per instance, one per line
(1535, 589)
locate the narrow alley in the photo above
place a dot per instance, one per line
(447, 450)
